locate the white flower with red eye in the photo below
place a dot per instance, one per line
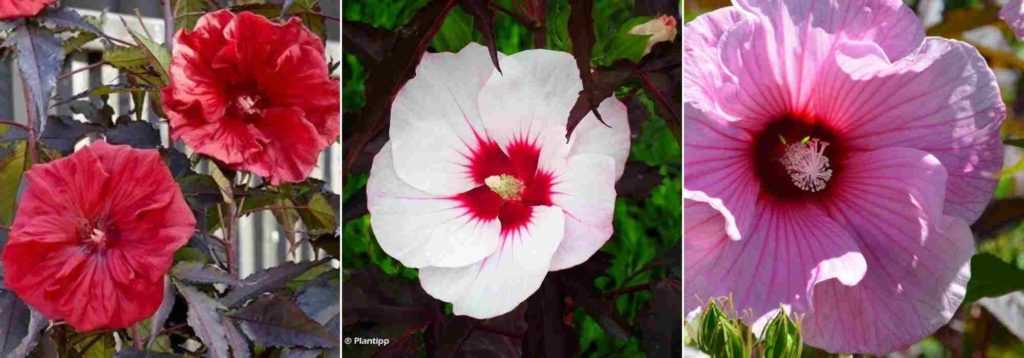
(478, 187)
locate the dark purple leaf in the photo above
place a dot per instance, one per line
(14, 318)
(320, 300)
(662, 321)
(662, 89)
(67, 18)
(166, 306)
(279, 322)
(656, 8)
(637, 181)
(195, 272)
(366, 42)
(266, 280)
(40, 58)
(501, 336)
(373, 297)
(581, 32)
(205, 318)
(451, 334)
(548, 334)
(239, 344)
(137, 134)
(63, 132)
(135, 353)
(603, 85)
(387, 77)
(578, 284)
(483, 17)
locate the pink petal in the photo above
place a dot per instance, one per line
(891, 201)
(717, 162)
(434, 119)
(505, 279)
(585, 191)
(792, 247)
(1013, 14)
(909, 291)
(703, 73)
(942, 99)
(889, 23)
(420, 229)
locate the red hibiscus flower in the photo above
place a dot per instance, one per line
(10, 9)
(94, 235)
(253, 94)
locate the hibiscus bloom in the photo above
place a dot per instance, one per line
(1013, 14)
(94, 234)
(253, 94)
(478, 188)
(843, 154)
(10, 9)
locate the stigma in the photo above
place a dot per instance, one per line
(506, 186)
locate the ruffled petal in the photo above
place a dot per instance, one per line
(420, 229)
(586, 193)
(1013, 14)
(505, 279)
(792, 248)
(703, 72)
(10, 9)
(435, 121)
(891, 201)
(943, 99)
(291, 146)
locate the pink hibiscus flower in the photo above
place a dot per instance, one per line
(1013, 14)
(478, 188)
(834, 157)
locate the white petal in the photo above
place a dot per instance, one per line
(434, 117)
(505, 279)
(532, 95)
(419, 229)
(586, 193)
(591, 136)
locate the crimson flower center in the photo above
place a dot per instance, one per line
(95, 235)
(246, 100)
(797, 157)
(509, 183)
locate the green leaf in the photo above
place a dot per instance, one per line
(12, 166)
(158, 55)
(318, 216)
(456, 32)
(992, 277)
(126, 57)
(623, 45)
(781, 338)
(188, 12)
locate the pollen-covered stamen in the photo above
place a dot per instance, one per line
(506, 186)
(807, 165)
(249, 104)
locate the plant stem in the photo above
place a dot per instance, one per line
(30, 109)
(168, 25)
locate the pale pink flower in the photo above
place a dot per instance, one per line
(478, 187)
(834, 157)
(1013, 14)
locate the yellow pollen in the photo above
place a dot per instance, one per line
(506, 186)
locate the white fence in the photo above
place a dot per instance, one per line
(261, 242)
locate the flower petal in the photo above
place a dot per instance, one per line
(586, 193)
(889, 23)
(909, 291)
(717, 162)
(435, 120)
(531, 98)
(792, 248)
(891, 201)
(420, 229)
(593, 137)
(942, 99)
(505, 279)
(703, 73)
(1013, 14)
(291, 146)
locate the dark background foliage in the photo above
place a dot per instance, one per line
(624, 301)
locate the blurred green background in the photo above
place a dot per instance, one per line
(975, 331)
(647, 228)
